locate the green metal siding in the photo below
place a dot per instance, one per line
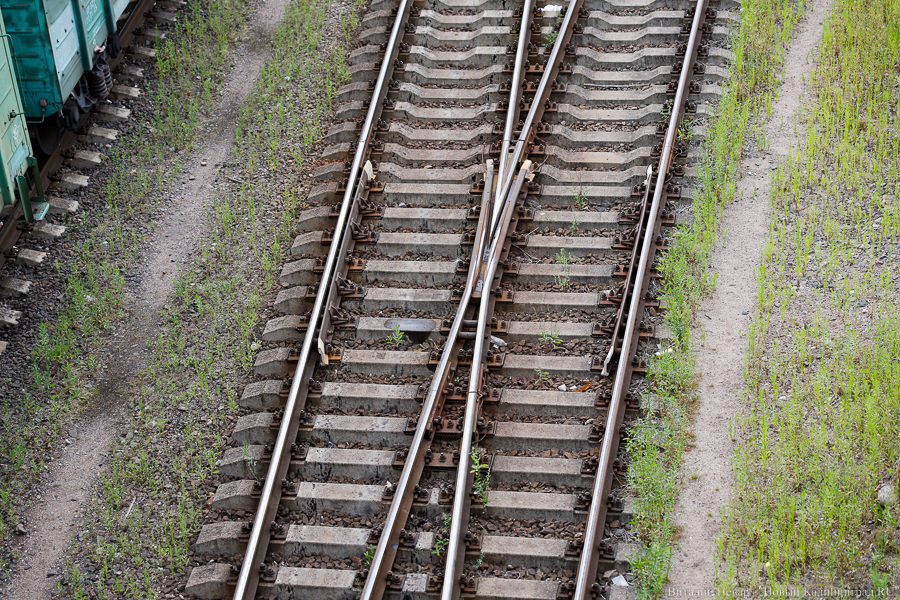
(118, 7)
(53, 43)
(93, 29)
(14, 144)
(27, 24)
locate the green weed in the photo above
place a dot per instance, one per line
(565, 260)
(482, 473)
(822, 378)
(551, 336)
(396, 338)
(658, 440)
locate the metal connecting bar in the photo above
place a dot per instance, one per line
(596, 521)
(487, 266)
(515, 90)
(620, 314)
(385, 551)
(346, 240)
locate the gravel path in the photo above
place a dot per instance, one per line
(725, 317)
(71, 478)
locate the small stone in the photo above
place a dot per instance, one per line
(563, 388)
(887, 495)
(745, 312)
(862, 303)
(20, 529)
(255, 346)
(182, 408)
(51, 573)
(610, 574)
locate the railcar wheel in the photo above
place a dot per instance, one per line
(47, 134)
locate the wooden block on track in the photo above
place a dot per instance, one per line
(72, 181)
(125, 91)
(9, 318)
(10, 286)
(47, 231)
(142, 52)
(130, 71)
(29, 257)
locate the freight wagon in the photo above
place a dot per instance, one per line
(18, 166)
(60, 50)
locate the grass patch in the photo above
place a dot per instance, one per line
(190, 69)
(659, 439)
(184, 405)
(820, 429)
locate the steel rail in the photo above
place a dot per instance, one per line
(506, 195)
(372, 115)
(518, 79)
(620, 313)
(587, 567)
(487, 267)
(536, 110)
(333, 291)
(248, 578)
(385, 550)
(383, 558)
(257, 544)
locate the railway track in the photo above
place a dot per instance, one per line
(78, 152)
(478, 261)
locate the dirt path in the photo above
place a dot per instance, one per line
(50, 520)
(725, 317)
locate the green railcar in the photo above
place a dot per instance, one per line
(60, 48)
(18, 168)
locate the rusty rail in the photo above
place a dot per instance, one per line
(386, 549)
(257, 544)
(585, 582)
(485, 264)
(505, 199)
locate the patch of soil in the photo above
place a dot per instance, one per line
(71, 480)
(725, 317)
